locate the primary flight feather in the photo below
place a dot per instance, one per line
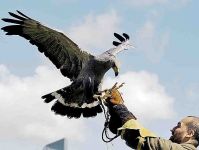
(83, 69)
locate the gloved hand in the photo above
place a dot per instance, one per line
(113, 96)
(117, 110)
(116, 97)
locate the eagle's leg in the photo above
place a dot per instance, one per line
(103, 95)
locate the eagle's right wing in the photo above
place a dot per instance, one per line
(63, 52)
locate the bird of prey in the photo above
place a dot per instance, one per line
(83, 69)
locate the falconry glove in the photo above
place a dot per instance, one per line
(119, 114)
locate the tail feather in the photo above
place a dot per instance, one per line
(70, 112)
(48, 98)
(73, 103)
(92, 112)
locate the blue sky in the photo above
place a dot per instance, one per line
(161, 73)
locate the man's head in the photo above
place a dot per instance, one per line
(187, 130)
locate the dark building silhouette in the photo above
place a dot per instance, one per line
(57, 145)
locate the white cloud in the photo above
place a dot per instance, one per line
(25, 116)
(95, 32)
(23, 112)
(150, 42)
(144, 95)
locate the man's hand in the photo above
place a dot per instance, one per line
(117, 110)
(116, 97)
(112, 96)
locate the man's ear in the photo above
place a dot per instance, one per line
(190, 133)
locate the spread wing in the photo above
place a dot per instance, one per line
(63, 52)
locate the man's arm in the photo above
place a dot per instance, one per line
(163, 144)
(123, 122)
(128, 127)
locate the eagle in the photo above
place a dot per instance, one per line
(85, 70)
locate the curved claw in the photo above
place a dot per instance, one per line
(120, 85)
(114, 86)
(103, 95)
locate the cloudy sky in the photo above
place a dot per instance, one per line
(160, 74)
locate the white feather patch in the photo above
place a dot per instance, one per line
(75, 105)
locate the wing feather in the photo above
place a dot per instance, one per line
(62, 51)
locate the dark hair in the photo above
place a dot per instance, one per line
(194, 125)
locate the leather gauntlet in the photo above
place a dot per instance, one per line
(118, 111)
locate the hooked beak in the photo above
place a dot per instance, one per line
(116, 70)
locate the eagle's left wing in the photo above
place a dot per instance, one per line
(63, 52)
